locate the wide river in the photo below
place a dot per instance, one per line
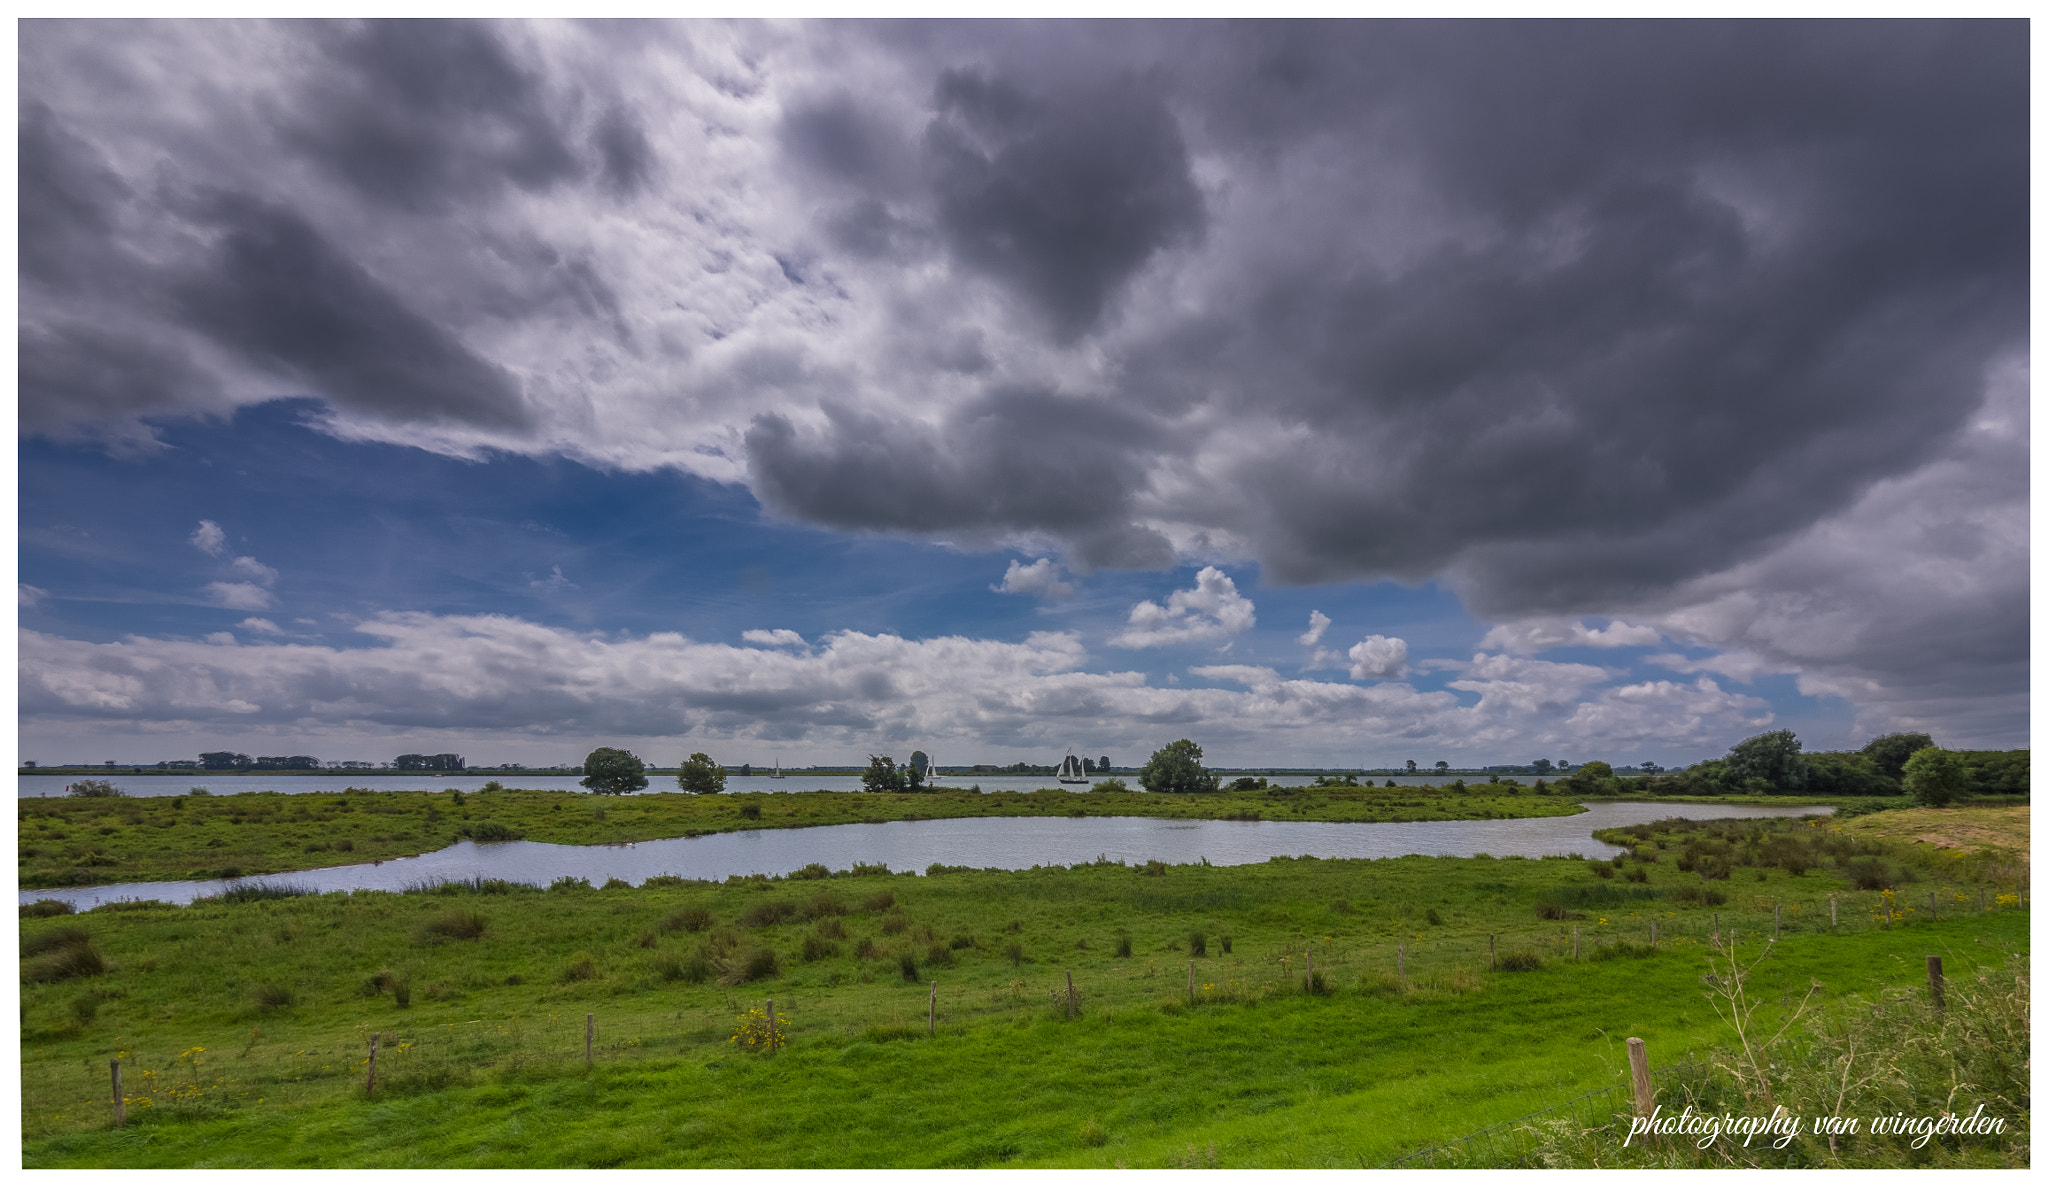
(1015, 842)
(32, 786)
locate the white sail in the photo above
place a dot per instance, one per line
(1072, 770)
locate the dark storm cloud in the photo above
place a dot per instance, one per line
(868, 472)
(425, 114)
(1062, 199)
(282, 295)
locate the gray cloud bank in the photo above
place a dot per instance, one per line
(1643, 319)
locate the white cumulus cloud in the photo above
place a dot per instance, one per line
(261, 626)
(1211, 610)
(774, 638)
(1377, 657)
(1040, 578)
(254, 570)
(208, 538)
(1318, 622)
(1531, 635)
(238, 595)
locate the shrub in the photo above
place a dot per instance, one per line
(1226, 942)
(255, 892)
(1153, 868)
(766, 914)
(1521, 961)
(1014, 950)
(95, 789)
(697, 969)
(1636, 874)
(894, 923)
(822, 906)
(753, 965)
(881, 900)
(810, 873)
(344, 845)
(1123, 945)
(818, 948)
(1198, 944)
(691, 919)
(830, 928)
(1705, 896)
(964, 940)
(54, 939)
(1110, 784)
(907, 965)
(1603, 870)
(1316, 984)
(455, 925)
(646, 939)
(491, 832)
(271, 997)
(939, 955)
(866, 948)
(1867, 873)
(84, 1008)
(1552, 911)
(750, 811)
(567, 883)
(44, 908)
(582, 968)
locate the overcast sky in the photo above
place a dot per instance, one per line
(1330, 394)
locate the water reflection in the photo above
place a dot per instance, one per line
(1004, 842)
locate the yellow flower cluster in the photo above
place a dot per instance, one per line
(755, 1034)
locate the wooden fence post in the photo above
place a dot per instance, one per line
(931, 1014)
(1070, 993)
(1834, 920)
(120, 1104)
(590, 1039)
(1492, 952)
(370, 1078)
(1191, 982)
(1934, 986)
(1639, 1072)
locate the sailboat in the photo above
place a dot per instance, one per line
(777, 772)
(1072, 770)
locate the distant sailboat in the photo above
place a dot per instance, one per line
(1072, 770)
(777, 772)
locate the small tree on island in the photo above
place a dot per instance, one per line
(881, 774)
(1936, 777)
(1176, 768)
(700, 776)
(610, 771)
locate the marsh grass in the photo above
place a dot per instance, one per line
(453, 925)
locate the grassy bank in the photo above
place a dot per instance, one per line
(85, 842)
(1448, 1000)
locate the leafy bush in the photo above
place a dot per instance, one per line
(1198, 944)
(491, 832)
(1123, 946)
(44, 908)
(1014, 952)
(581, 968)
(940, 955)
(455, 925)
(1603, 870)
(866, 948)
(1110, 784)
(907, 965)
(1705, 896)
(692, 919)
(822, 906)
(1868, 873)
(767, 914)
(1153, 868)
(1552, 911)
(1226, 941)
(894, 923)
(819, 948)
(830, 928)
(1521, 961)
(64, 964)
(881, 900)
(95, 789)
(271, 997)
(755, 964)
(54, 939)
(750, 811)
(1636, 874)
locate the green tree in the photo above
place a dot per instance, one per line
(1835, 773)
(95, 789)
(1176, 768)
(1889, 752)
(609, 771)
(1936, 777)
(1768, 762)
(700, 776)
(881, 774)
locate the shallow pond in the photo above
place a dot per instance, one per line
(1016, 842)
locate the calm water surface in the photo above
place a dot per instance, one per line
(32, 786)
(1004, 843)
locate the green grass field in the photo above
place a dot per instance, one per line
(243, 1027)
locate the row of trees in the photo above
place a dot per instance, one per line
(228, 760)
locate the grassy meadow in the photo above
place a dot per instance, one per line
(1445, 998)
(90, 842)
